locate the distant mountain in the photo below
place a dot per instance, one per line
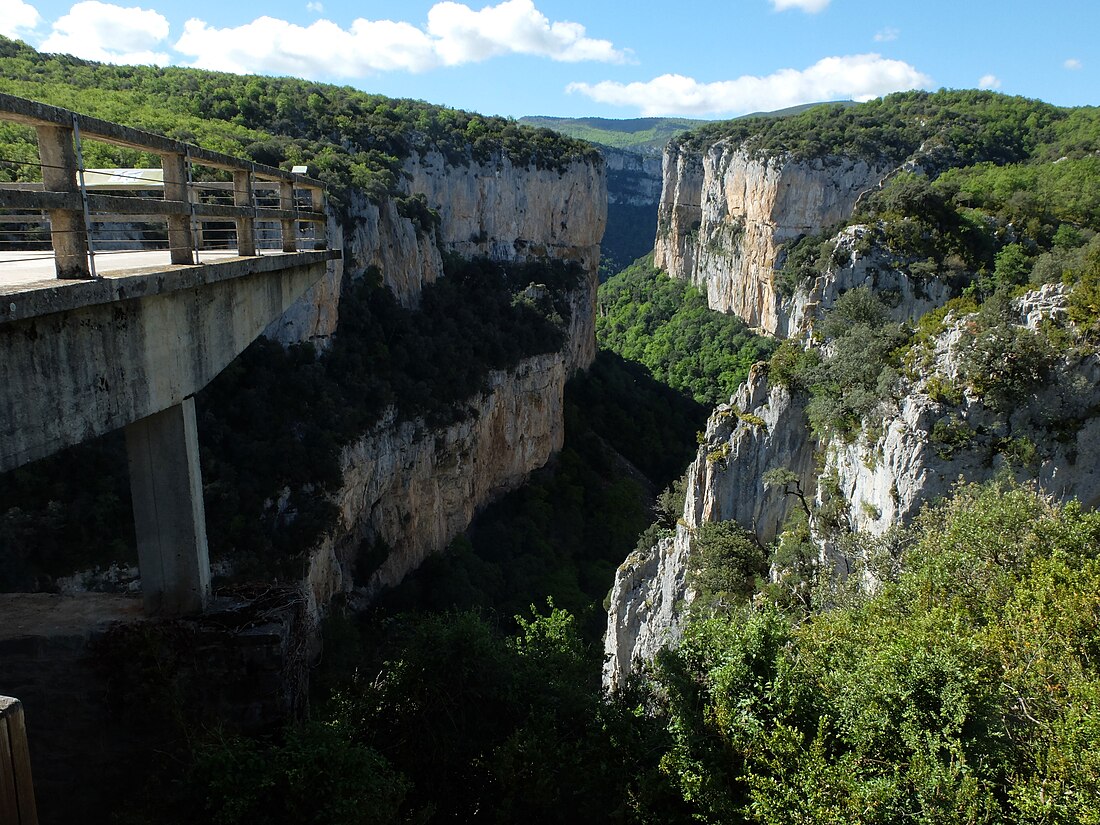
(645, 135)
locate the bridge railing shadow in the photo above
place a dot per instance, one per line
(55, 209)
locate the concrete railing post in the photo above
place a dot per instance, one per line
(67, 229)
(246, 226)
(169, 517)
(180, 240)
(17, 805)
(286, 201)
(320, 230)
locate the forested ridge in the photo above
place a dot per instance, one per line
(347, 137)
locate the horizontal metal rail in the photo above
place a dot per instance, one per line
(166, 207)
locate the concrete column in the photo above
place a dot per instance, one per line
(286, 201)
(169, 518)
(320, 230)
(242, 196)
(180, 239)
(68, 232)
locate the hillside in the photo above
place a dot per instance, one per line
(349, 138)
(644, 135)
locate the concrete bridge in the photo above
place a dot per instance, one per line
(97, 334)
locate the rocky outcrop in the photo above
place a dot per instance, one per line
(761, 428)
(647, 603)
(725, 213)
(931, 438)
(857, 262)
(495, 209)
(912, 452)
(414, 488)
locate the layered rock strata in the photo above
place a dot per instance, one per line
(725, 214)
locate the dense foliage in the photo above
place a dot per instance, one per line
(961, 127)
(665, 324)
(348, 138)
(964, 691)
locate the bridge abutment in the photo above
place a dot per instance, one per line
(169, 519)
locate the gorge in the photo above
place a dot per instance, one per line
(871, 596)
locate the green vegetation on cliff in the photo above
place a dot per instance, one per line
(959, 128)
(665, 324)
(965, 691)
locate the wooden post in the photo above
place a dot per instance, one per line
(320, 230)
(17, 805)
(180, 240)
(246, 227)
(286, 201)
(67, 229)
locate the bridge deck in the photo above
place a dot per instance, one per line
(25, 271)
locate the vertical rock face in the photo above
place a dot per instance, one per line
(762, 428)
(511, 213)
(900, 461)
(633, 179)
(405, 485)
(495, 209)
(1049, 438)
(724, 215)
(414, 488)
(759, 429)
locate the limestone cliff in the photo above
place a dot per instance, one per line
(916, 447)
(495, 209)
(414, 488)
(759, 429)
(405, 485)
(932, 437)
(633, 179)
(725, 214)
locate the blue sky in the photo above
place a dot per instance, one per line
(699, 58)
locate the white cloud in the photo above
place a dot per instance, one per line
(859, 77)
(17, 18)
(989, 81)
(808, 6)
(887, 34)
(109, 33)
(316, 8)
(1073, 64)
(455, 34)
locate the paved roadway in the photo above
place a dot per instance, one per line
(23, 271)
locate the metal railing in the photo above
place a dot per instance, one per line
(75, 213)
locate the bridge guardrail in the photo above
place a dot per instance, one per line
(261, 207)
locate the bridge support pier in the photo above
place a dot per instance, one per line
(169, 518)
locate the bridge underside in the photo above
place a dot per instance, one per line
(80, 359)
